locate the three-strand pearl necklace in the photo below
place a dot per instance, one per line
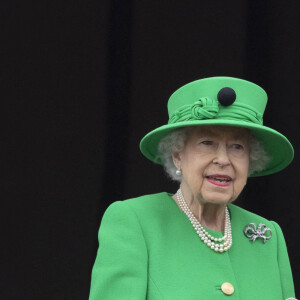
(217, 244)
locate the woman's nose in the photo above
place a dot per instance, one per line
(221, 156)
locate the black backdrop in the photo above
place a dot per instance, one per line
(82, 82)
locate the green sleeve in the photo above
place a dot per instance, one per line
(284, 265)
(120, 269)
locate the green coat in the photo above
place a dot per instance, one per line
(149, 250)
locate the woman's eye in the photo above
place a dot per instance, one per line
(237, 146)
(207, 143)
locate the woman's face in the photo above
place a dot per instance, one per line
(214, 163)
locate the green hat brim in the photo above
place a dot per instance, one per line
(277, 146)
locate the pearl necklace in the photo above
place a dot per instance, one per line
(217, 244)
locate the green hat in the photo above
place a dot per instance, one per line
(222, 101)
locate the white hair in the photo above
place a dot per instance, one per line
(174, 142)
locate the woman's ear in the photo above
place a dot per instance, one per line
(176, 159)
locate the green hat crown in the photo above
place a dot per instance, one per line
(218, 98)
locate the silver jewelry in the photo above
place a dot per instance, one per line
(217, 244)
(252, 233)
(178, 173)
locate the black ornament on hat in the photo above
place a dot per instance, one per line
(226, 96)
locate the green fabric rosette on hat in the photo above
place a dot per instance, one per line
(222, 101)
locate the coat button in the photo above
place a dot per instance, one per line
(227, 288)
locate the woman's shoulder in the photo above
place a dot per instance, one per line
(152, 203)
(151, 199)
(244, 216)
(243, 213)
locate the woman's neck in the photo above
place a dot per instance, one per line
(209, 215)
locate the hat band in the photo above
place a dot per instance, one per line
(206, 108)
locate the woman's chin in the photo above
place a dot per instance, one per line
(217, 198)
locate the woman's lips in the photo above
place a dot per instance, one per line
(219, 179)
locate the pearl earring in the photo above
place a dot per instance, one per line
(178, 173)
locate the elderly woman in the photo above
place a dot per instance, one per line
(196, 244)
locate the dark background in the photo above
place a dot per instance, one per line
(82, 82)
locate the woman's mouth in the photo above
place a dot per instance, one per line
(219, 180)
